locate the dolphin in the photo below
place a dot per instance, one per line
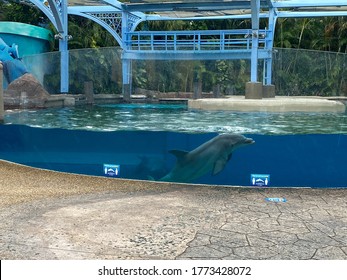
(149, 168)
(212, 156)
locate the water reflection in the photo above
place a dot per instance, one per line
(154, 117)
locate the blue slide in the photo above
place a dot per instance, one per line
(13, 66)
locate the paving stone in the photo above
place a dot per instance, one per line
(203, 252)
(232, 241)
(318, 226)
(48, 219)
(268, 239)
(217, 232)
(254, 253)
(240, 228)
(330, 253)
(221, 248)
(307, 244)
(344, 249)
(318, 237)
(201, 239)
(292, 252)
(293, 226)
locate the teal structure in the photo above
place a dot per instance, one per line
(18, 40)
(29, 39)
(121, 18)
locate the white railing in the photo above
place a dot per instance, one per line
(204, 40)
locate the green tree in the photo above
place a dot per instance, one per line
(88, 34)
(325, 33)
(11, 11)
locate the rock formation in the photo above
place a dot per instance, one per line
(25, 92)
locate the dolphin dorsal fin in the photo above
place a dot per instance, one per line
(179, 154)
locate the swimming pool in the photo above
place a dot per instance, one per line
(177, 118)
(134, 140)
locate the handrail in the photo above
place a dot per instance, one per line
(202, 40)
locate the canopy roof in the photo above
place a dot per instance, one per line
(219, 8)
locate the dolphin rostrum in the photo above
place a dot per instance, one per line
(210, 156)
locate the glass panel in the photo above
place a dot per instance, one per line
(134, 140)
(309, 73)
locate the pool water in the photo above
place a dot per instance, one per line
(294, 149)
(177, 118)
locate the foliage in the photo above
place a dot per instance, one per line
(218, 24)
(21, 13)
(324, 34)
(99, 65)
(300, 72)
(85, 33)
(296, 72)
(179, 76)
(88, 34)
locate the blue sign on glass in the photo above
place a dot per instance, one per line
(276, 199)
(260, 180)
(111, 170)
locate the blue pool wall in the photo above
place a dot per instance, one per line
(309, 160)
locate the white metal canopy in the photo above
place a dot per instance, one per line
(121, 18)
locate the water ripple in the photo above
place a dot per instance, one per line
(178, 118)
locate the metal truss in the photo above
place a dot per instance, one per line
(121, 20)
(111, 18)
(45, 7)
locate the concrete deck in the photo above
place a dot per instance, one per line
(277, 104)
(51, 215)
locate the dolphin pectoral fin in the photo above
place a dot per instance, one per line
(179, 154)
(219, 165)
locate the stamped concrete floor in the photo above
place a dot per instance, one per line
(83, 217)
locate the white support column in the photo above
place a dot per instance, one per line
(63, 48)
(255, 7)
(254, 89)
(268, 87)
(126, 63)
(269, 46)
(59, 12)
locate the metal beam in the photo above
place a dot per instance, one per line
(63, 47)
(308, 3)
(267, 74)
(92, 9)
(289, 14)
(57, 16)
(255, 5)
(120, 6)
(46, 11)
(186, 55)
(190, 6)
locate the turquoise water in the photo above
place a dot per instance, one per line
(177, 118)
(293, 149)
